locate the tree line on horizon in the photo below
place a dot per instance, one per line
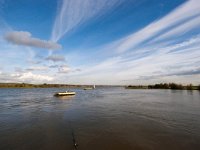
(27, 85)
(165, 86)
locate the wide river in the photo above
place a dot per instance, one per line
(100, 119)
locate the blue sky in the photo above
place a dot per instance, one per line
(100, 41)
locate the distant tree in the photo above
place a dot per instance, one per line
(189, 87)
(175, 86)
(166, 86)
(180, 87)
(199, 87)
(159, 86)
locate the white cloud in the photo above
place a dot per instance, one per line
(30, 77)
(56, 58)
(72, 13)
(25, 38)
(27, 77)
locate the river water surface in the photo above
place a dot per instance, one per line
(100, 119)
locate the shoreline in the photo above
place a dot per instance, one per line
(171, 86)
(27, 85)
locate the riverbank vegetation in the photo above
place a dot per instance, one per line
(26, 85)
(172, 86)
(45, 85)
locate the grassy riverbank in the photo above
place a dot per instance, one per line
(45, 85)
(26, 85)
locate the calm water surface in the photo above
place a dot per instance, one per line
(101, 119)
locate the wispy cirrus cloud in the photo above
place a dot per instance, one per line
(169, 24)
(162, 61)
(26, 39)
(163, 64)
(72, 13)
(180, 29)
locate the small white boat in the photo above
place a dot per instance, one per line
(90, 88)
(67, 93)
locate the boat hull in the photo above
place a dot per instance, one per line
(88, 89)
(64, 94)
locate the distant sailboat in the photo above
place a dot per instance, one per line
(90, 88)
